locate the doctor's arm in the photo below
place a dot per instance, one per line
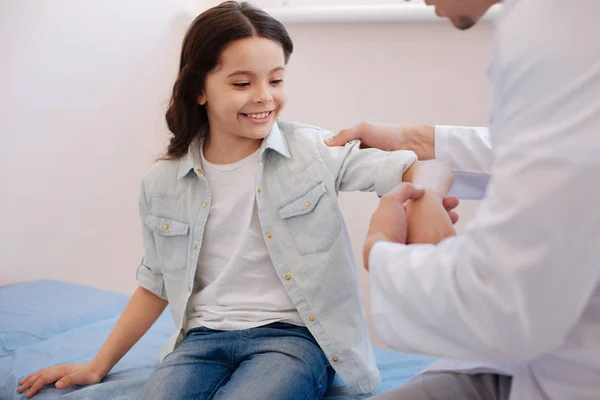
(512, 287)
(465, 150)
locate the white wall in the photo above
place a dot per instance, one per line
(84, 88)
(84, 85)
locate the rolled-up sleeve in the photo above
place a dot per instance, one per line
(147, 277)
(365, 169)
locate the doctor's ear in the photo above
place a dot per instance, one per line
(201, 100)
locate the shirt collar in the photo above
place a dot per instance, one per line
(275, 140)
(191, 159)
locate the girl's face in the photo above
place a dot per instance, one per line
(245, 93)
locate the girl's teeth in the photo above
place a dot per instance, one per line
(259, 116)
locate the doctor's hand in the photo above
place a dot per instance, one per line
(429, 220)
(419, 138)
(389, 223)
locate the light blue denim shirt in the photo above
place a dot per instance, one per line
(297, 184)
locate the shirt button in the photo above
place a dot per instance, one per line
(269, 235)
(166, 226)
(307, 204)
(311, 318)
(335, 359)
(199, 171)
(194, 246)
(288, 277)
(258, 190)
(204, 204)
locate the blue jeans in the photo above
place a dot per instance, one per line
(276, 361)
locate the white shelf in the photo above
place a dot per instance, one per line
(365, 13)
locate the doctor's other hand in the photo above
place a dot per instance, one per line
(388, 222)
(418, 138)
(428, 219)
(450, 203)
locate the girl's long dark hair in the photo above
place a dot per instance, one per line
(203, 44)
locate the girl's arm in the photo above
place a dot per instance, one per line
(467, 151)
(381, 171)
(372, 169)
(432, 175)
(142, 310)
(367, 170)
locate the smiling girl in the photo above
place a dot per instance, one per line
(243, 236)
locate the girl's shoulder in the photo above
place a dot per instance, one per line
(162, 176)
(297, 131)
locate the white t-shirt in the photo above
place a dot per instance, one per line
(236, 284)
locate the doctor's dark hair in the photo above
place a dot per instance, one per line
(207, 37)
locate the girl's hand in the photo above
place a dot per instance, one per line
(64, 375)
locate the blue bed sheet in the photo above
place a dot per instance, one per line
(49, 322)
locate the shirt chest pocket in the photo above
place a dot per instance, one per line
(313, 219)
(171, 239)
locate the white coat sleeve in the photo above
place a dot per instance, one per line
(467, 151)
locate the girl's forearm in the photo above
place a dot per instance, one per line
(433, 175)
(142, 310)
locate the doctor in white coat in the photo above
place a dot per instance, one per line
(515, 300)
